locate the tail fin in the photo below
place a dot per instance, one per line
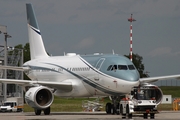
(35, 40)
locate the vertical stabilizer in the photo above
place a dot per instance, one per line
(35, 40)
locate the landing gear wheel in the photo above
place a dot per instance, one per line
(117, 109)
(37, 111)
(113, 109)
(108, 108)
(152, 115)
(47, 111)
(145, 115)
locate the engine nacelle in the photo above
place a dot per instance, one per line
(39, 97)
(148, 92)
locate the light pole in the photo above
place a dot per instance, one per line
(131, 52)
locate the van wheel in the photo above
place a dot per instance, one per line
(121, 111)
(152, 115)
(145, 115)
(127, 112)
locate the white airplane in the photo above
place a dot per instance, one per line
(73, 75)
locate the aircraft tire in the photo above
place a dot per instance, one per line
(151, 115)
(118, 109)
(108, 108)
(113, 110)
(47, 111)
(37, 112)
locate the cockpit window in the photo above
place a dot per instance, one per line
(109, 68)
(100, 62)
(122, 67)
(112, 67)
(131, 67)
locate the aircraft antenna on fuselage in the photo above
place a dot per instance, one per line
(113, 52)
(37, 48)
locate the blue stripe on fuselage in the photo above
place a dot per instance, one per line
(90, 82)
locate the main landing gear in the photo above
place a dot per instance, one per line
(46, 111)
(113, 108)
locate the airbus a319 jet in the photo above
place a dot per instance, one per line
(73, 75)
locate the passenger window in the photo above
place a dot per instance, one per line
(131, 67)
(122, 67)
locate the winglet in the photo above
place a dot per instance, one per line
(37, 48)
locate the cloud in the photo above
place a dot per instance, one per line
(163, 51)
(160, 51)
(85, 43)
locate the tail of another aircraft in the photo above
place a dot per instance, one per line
(35, 40)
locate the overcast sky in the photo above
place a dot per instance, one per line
(91, 26)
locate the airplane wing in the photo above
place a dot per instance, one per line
(14, 68)
(64, 86)
(154, 79)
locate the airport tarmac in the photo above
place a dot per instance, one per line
(163, 115)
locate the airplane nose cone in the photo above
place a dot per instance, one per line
(131, 76)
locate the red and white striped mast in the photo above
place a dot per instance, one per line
(131, 20)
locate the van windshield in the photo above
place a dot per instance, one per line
(9, 104)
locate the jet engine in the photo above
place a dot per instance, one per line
(39, 97)
(148, 92)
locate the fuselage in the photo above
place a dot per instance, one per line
(90, 75)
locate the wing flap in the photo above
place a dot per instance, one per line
(154, 79)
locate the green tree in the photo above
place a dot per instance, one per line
(27, 56)
(137, 60)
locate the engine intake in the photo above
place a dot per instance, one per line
(39, 97)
